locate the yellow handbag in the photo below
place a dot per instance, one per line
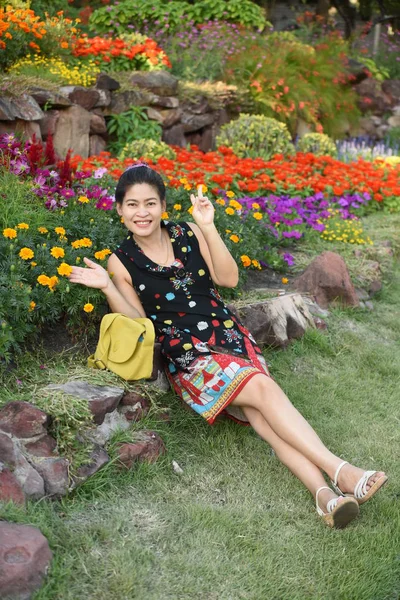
(125, 346)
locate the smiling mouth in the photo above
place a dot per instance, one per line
(142, 223)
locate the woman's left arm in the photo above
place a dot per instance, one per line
(223, 268)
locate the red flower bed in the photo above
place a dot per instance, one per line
(302, 174)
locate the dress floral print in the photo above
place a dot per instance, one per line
(209, 355)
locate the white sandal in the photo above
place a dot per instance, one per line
(339, 514)
(361, 494)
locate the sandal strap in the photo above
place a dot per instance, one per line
(360, 489)
(335, 479)
(331, 505)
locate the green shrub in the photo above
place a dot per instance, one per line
(392, 139)
(147, 148)
(252, 136)
(140, 13)
(133, 124)
(319, 144)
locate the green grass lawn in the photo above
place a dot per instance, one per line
(237, 524)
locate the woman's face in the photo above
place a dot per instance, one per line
(141, 209)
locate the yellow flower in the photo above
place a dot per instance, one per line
(101, 254)
(165, 215)
(33, 264)
(235, 204)
(255, 205)
(203, 187)
(257, 215)
(183, 180)
(88, 307)
(83, 199)
(26, 253)
(82, 243)
(43, 230)
(64, 269)
(32, 305)
(228, 230)
(23, 226)
(230, 194)
(57, 252)
(53, 281)
(60, 230)
(190, 210)
(9, 233)
(256, 264)
(229, 211)
(122, 220)
(43, 280)
(234, 238)
(220, 201)
(177, 206)
(187, 187)
(285, 280)
(245, 260)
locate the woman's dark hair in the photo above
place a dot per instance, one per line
(139, 174)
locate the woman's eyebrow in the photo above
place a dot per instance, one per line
(134, 200)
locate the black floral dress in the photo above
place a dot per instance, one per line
(209, 354)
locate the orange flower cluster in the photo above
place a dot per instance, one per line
(303, 173)
(107, 49)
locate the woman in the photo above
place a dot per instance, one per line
(167, 271)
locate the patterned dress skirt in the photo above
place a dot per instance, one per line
(214, 380)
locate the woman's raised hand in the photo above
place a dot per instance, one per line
(203, 210)
(94, 276)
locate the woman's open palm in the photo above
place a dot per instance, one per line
(203, 210)
(93, 276)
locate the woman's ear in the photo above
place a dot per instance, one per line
(119, 209)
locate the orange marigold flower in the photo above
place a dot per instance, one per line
(220, 201)
(26, 253)
(230, 194)
(88, 307)
(32, 305)
(234, 238)
(83, 199)
(23, 226)
(57, 252)
(285, 280)
(245, 260)
(43, 230)
(9, 233)
(229, 211)
(64, 45)
(165, 215)
(64, 269)
(257, 215)
(43, 280)
(60, 230)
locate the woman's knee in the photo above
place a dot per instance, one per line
(254, 392)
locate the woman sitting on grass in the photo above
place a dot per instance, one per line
(167, 272)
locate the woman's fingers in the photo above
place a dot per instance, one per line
(200, 192)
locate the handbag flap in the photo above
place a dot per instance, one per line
(122, 338)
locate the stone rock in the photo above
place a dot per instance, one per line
(23, 420)
(54, 472)
(134, 406)
(122, 101)
(160, 83)
(192, 122)
(29, 479)
(6, 112)
(391, 87)
(26, 108)
(44, 446)
(328, 280)
(174, 136)
(302, 128)
(97, 144)
(104, 99)
(97, 124)
(362, 294)
(320, 323)
(199, 106)
(10, 489)
(154, 115)
(26, 129)
(51, 99)
(371, 97)
(102, 399)
(394, 121)
(85, 97)
(276, 321)
(49, 122)
(113, 422)
(146, 447)
(25, 557)
(170, 117)
(7, 450)
(98, 459)
(72, 132)
(105, 82)
(368, 304)
(164, 101)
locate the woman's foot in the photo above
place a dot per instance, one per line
(362, 484)
(335, 510)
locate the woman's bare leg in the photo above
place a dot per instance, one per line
(264, 395)
(299, 465)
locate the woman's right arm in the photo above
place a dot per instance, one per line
(119, 292)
